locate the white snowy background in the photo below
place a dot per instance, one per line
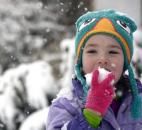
(28, 65)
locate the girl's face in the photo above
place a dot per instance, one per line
(105, 52)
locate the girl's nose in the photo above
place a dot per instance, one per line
(103, 61)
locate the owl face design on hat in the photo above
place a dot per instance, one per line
(108, 22)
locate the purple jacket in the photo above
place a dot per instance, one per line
(66, 113)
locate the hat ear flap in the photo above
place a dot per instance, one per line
(136, 106)
(82, 80)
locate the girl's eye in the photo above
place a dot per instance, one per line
(87, 22)
(123, 25)
(113, 52)
(91, 51)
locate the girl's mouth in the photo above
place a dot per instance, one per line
(104, 68)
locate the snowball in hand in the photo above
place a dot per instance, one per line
(102, 75)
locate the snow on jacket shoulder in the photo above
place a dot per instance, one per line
(66, 113)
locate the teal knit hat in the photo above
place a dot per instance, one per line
(117, 25)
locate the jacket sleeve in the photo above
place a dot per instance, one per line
(61, 117)
(79, 123)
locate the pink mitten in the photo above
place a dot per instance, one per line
(100, 94)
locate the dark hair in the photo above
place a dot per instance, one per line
(124, 84)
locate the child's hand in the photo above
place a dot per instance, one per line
(100, 94)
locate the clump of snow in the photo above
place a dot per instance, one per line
(40, 81)
(65, 92)
(113, 65)
(102, 75)
(36, 121)
(88, 78)
(119, 93)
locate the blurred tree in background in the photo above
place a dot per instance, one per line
(33, 29)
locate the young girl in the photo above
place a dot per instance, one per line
(104, 40)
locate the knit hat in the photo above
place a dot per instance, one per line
(120, 27)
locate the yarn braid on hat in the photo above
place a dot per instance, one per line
(120, 27)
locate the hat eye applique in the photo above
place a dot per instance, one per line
(124, 26)
(87, 22)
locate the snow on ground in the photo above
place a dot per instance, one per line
(36, 121)
(28, 83)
